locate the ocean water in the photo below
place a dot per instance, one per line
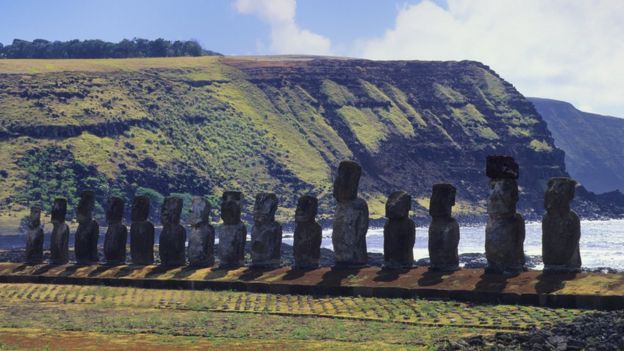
(602, 242)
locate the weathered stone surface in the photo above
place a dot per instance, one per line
(116, 234)
(351, 218)
(561, 228)
(505, 231)
(399, 232)
(502, 167)
(34, 237)
(141, 232)
(173, 236)
(443, 230)
(266, 234)
(347, 181)
(201, 240)
(308, 234)
(233, 233)
(59, 242)
(88, 231)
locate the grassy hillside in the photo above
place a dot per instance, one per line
(594, 144)
(206, 124)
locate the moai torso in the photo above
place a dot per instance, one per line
(201, 240)
(34, 237)
(504, 232)
(308, 234)
(59, 241)
(173, 236)
(233, 233)
(351, 218)
(88, 232)
(141, 232)
(561, 228)
(266, 234)
(443, 230)
(116, 234)
(399, 232)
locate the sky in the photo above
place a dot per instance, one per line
(571, 50)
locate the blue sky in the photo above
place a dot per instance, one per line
(561, 49)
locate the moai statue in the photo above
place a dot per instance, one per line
(173, 236)
(399, 232)
(201, 241)
(504, 232)
(88, 232)
(34, 237)
(116, 234)
(59, 242)
(233, 233)
(561, 228)
(351, 218)
(443, 230)
(308, 234)
(141, 232)
(266, 234)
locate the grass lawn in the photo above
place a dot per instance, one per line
(66, 317)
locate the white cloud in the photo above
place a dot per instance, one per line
(286, 36)
(571, 50)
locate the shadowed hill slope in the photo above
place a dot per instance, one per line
(281, 124)
(593, 144)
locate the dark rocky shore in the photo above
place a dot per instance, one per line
(600, 331)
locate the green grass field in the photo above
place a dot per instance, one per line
(67, 317)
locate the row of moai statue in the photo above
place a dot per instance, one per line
(504, 237)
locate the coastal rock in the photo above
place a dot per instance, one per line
(443, 230)
(308, 234)
(561, 228)
(173, 235)
(266, 234)
(202, 238)
(399, 232)
(233, 233)
(351, 218)
(88, 231)
(59, 242)
(505, 230)
(116, 234)
(141, 232)
(34, 237)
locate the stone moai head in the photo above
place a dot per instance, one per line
(86, 204)
(398, 205)
(59, 210)
(442, 200)
(231, 207)
(265, 208)
(200, 211)
(171, 210)
(559, 194)
(307, 208)
(140, 209)
(34, 220)
(347, 181)
(502, 167)
(503, 196)
(115, 210)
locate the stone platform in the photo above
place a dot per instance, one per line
(576, 290)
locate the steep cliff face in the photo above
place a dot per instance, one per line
(593, 144)
(282, 124)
